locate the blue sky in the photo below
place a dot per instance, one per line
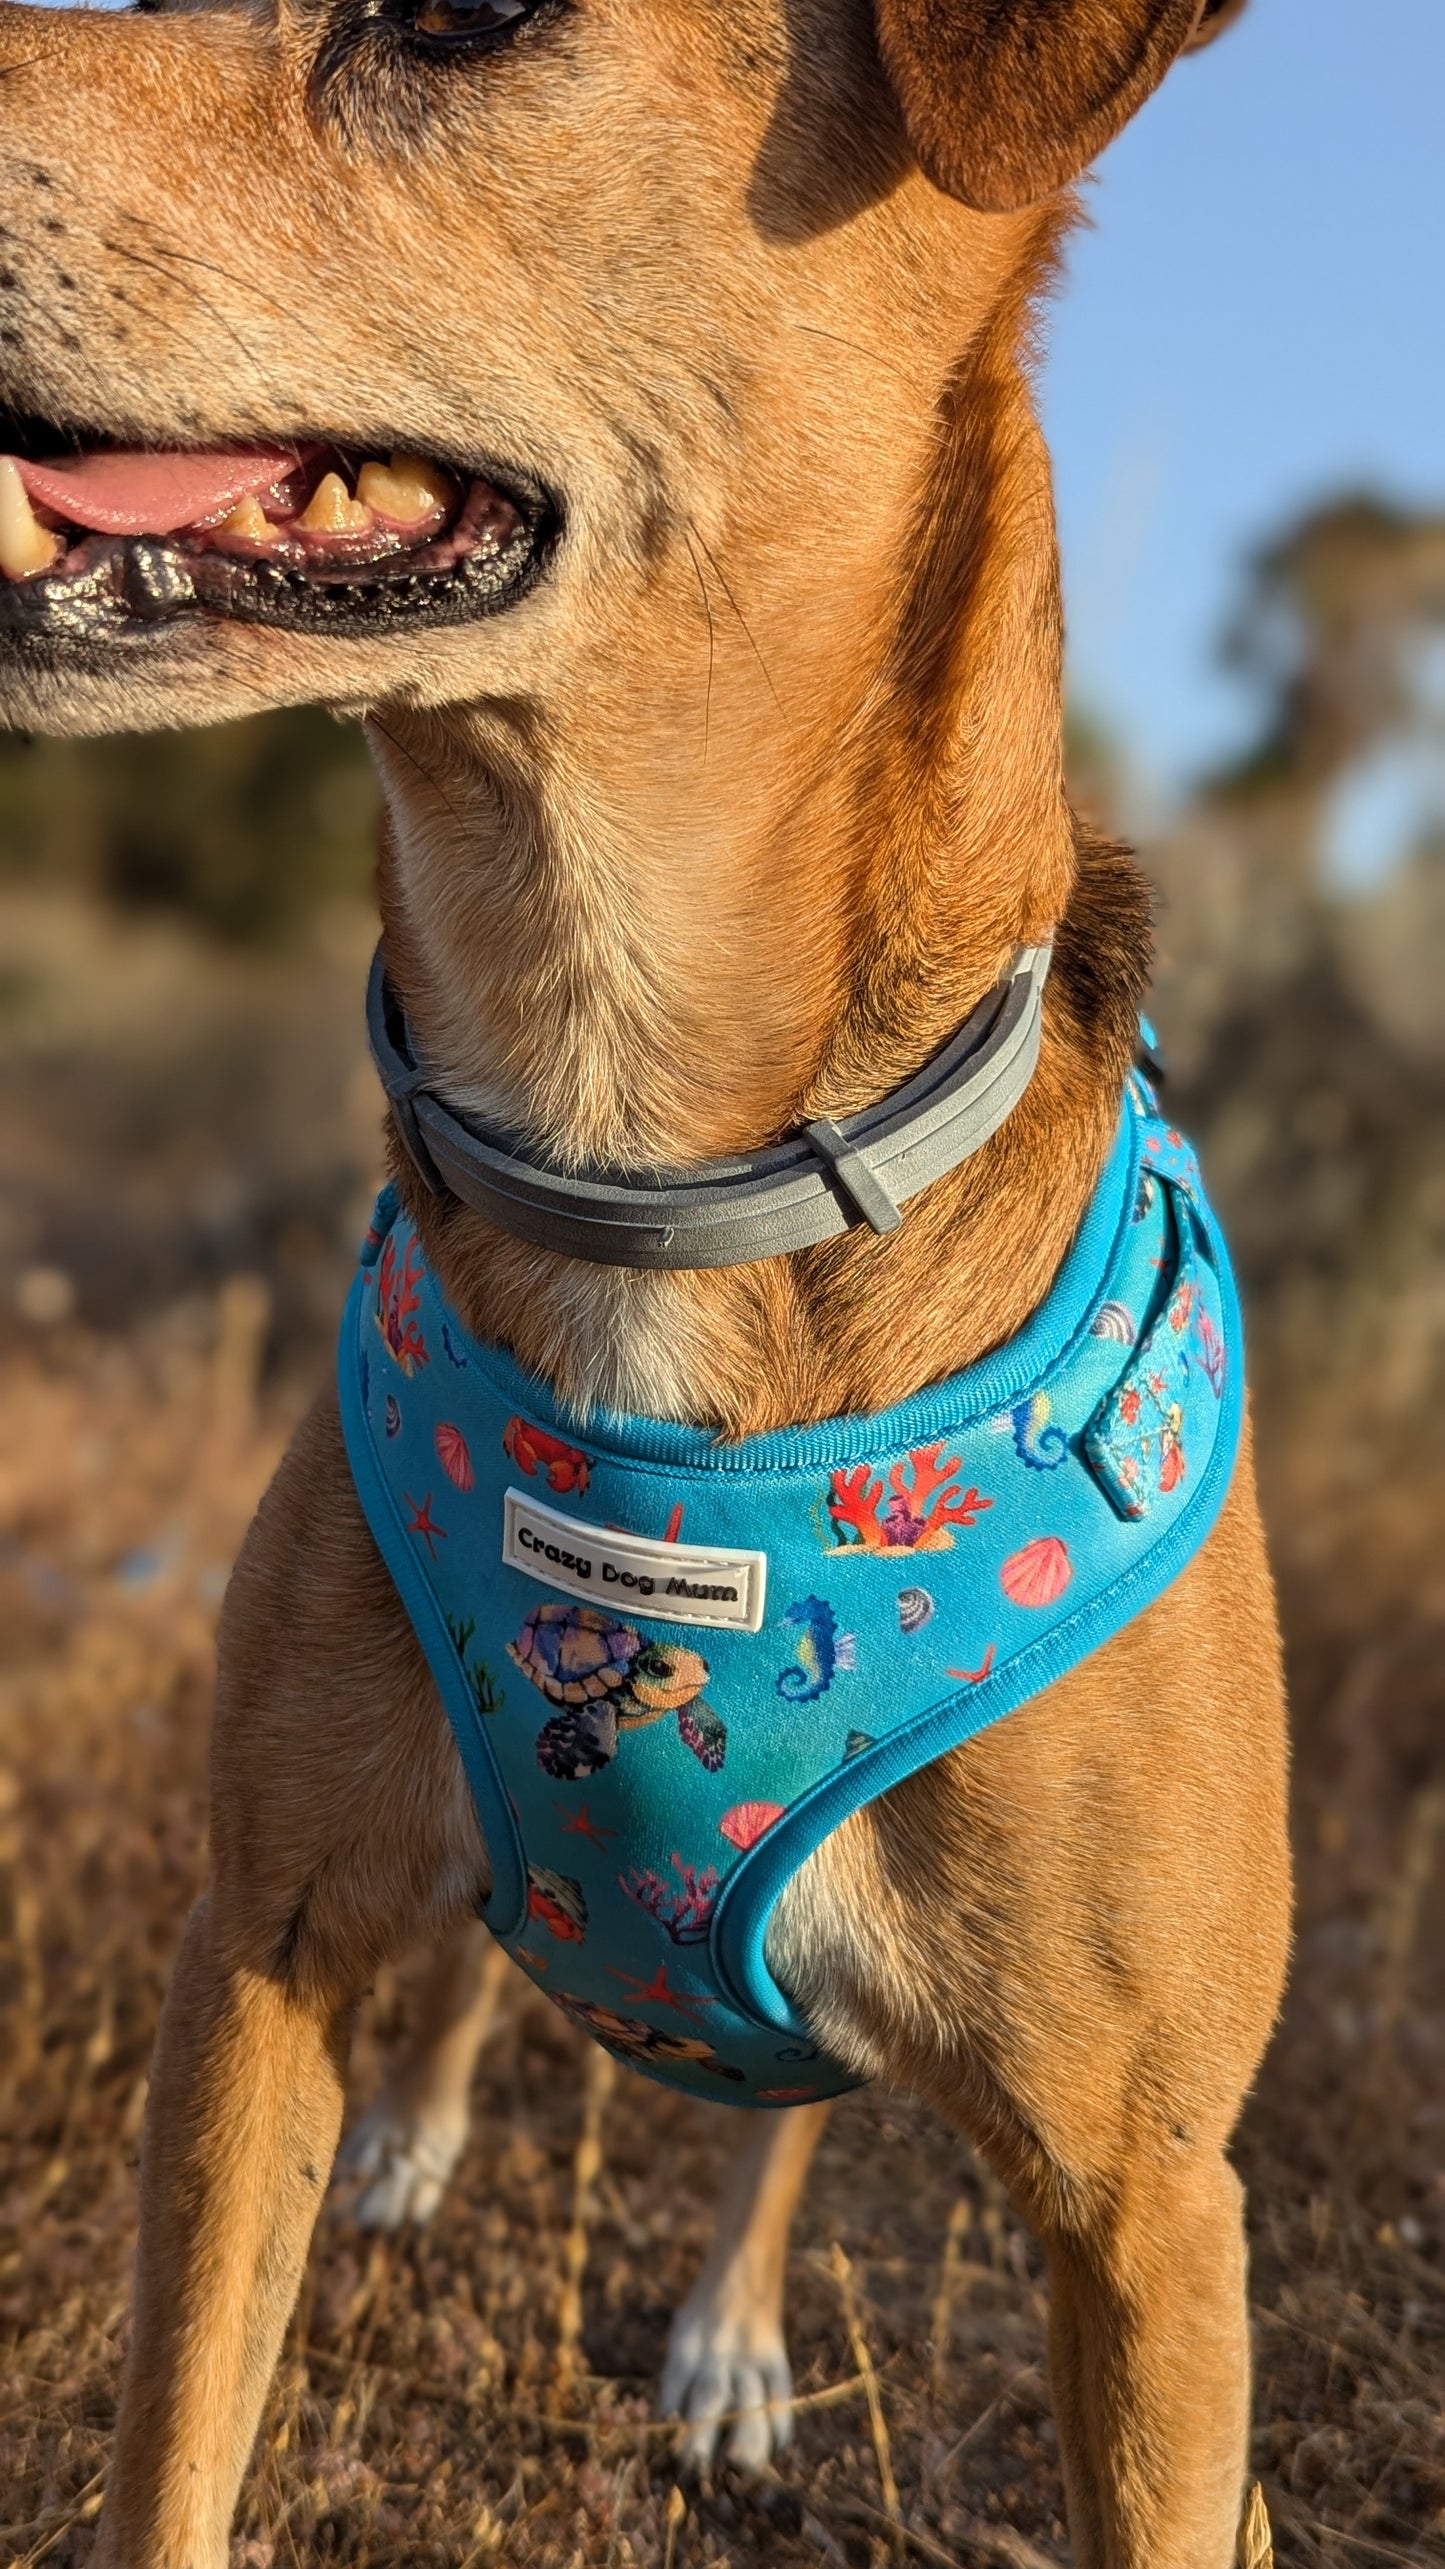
(1256, 317)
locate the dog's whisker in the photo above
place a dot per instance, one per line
(722, 580)
(138, 258)
(877, 356)
(711, 639)
(426, 774)
(167, 250)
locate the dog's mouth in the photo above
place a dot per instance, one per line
(97, 538)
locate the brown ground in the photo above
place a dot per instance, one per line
(431, 2407)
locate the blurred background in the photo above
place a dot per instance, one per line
(1244, 397)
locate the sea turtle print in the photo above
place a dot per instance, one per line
(607, 1679)
(634, 1880)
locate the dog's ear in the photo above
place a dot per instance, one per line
(1218, 14)
(1006, 100)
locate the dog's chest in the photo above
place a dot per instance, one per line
(672, 1667)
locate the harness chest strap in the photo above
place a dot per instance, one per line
(673, 1667)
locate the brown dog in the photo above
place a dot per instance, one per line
(721, 753)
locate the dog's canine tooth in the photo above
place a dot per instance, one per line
(332, 511)
(25, 545)
(406, 488)
(248, 518)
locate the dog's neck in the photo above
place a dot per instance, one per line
(671, 922)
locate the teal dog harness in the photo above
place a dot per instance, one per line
(673, 1666)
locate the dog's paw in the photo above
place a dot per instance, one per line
(406, 2163)
(729, 2380)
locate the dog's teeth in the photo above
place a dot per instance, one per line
(406, 489)
(248, 518)
(332, 511)
(25, 545)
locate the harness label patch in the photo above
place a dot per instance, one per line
(662, 1582)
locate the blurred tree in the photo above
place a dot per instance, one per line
(1340, 628)
(242, 829)
(1304, 1018)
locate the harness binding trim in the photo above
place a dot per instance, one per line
(647, 1787)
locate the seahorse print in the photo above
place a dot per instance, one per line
(821, 1650)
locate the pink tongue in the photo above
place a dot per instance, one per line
(139, 494)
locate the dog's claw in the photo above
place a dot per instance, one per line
(408, 2164)
(731, 2384)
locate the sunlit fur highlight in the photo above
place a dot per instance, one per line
(731, 822)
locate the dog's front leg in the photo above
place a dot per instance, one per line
(245, 2105)
(341, 1833)
(411, 2136)
(1149, 2363)
(726, 2357)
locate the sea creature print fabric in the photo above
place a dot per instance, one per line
(673, 1667)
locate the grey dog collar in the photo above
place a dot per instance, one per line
(824, 1180)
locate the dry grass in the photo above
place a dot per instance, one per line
(483, 2390)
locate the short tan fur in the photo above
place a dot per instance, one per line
(728, 822)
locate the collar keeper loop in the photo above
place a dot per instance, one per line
(861, 1184)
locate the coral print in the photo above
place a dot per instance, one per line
(534, 1451)
(1038, 1574)
(1211, 1354)
(557, 1901)
(486, 1693)
(821, 1650)
(683, 1909)
(1036, 1443)
(453, 1456)
(916, 1513)
(1171, 1448)
(398, 1300)
(608, 1679)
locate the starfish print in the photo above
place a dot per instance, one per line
(660, 1988)
(974, 1676)
(424, 1523)
(580, 1824)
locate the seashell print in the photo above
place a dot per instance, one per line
(855, 1744)
(393, 1415)
(1037, 1574)
(453, 1456)
(746, 1822)
(1114, 1320)
(915, 1609)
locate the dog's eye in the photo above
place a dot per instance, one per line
(452, 22)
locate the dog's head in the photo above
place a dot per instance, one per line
(411, 349)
